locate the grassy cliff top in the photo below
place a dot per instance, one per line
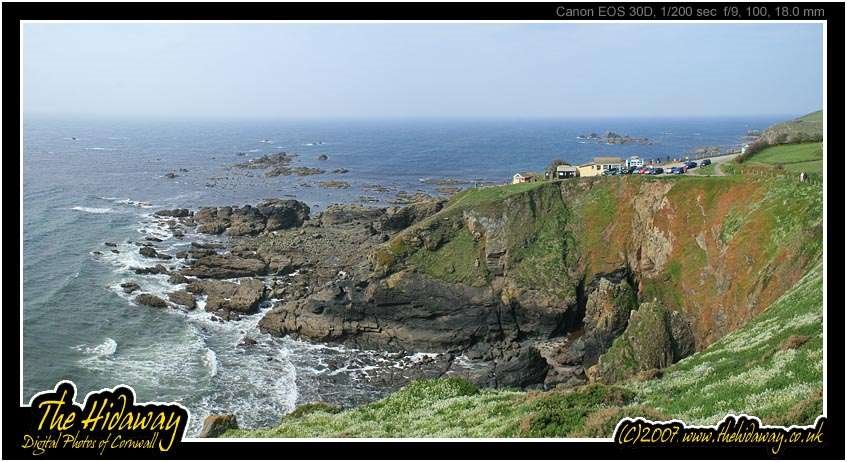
(803, 157)
(812, 117)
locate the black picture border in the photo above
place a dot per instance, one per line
(13, 415)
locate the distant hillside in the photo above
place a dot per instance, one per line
(806, 128)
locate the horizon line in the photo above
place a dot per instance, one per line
(194, 117)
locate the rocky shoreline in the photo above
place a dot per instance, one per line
(327, 284)
(256, 255)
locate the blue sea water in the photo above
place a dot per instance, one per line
(88, 181)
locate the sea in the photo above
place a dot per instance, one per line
(87, 181)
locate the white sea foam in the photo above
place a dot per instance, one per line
(128, 202)
(80, 208)
(211, 361)
(107, 348)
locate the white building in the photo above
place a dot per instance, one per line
(524, 177)
(634, 161)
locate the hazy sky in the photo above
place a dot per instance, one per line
(422, 70)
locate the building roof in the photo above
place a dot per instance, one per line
(564, 167)
(608, 160)
(527, 174)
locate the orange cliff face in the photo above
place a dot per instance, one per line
(719, 249)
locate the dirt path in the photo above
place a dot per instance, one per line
(717, 161)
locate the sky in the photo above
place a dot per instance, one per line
(322, 70)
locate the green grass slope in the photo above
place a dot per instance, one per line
(803, 157)
(772, 368)
(533, 218)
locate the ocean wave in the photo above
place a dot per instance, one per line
(80, 208)
(107, 348)
(128, 202)
(211, 361)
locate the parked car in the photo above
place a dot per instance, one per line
(705, 162)
(691, 164)
(677, 171)
(658, 171)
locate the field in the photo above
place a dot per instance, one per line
(804, 157)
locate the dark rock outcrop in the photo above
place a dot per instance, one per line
(148, 252)
(270, 215)
(184, 298)
(216, 425)
(130, 287)
(150, 300)
(177, 278)
(224, 296)
(176, 213)
(158, 269)
(410, 311)
(655, 338)
(337, 214)
(398, 218)
(226, 267)
(520, 367)
(609, 301)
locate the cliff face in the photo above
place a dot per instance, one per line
(717, 249)
(538, 280)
